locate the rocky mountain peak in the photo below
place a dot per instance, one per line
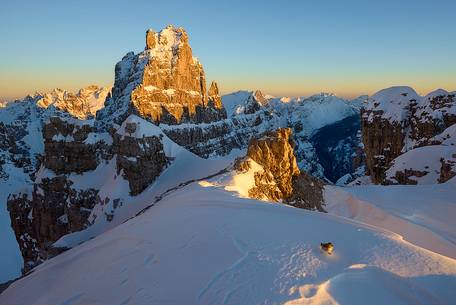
(213, 89)
(164, 83)
(259, 97)
(214, 99)
(168, 38)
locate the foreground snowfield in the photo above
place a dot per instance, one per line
(204, 245)
(423, 214)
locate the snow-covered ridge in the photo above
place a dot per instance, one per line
(395, 103)
(236, 103)
(81, 104)
(422, 165)
(143, 128)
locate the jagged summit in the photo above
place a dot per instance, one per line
(164, 83)
(168, 38)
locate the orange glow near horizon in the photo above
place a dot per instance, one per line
(18, 85)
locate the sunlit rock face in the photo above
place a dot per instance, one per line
(274, 153)
(397, 121)
(276, 173)
(164, 83)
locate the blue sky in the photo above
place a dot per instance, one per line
(282, 47)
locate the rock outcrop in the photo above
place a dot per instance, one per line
(73, 146)
(40, 217)
(397, 120)
(139, 159)
(279, 178)
(447, 169)
(164, 84)
(274, 152)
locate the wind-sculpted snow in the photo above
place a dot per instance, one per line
(422, 214)
(355, 283)
(202, 245)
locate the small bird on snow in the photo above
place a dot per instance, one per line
(327, 247)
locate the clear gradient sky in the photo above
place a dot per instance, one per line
(281, 47)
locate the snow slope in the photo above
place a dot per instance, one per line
(204, 245)
(233, 101)
(425, 159)
(11, 261)
(447, 137)
(422, 214)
